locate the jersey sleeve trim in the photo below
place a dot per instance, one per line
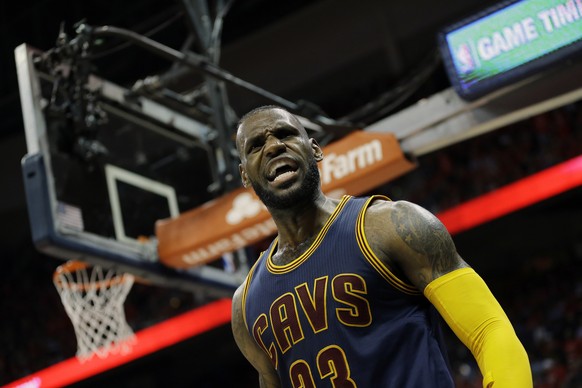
(371, 257)
(246, 290)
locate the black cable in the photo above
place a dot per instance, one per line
(391, 99)
(149, 33)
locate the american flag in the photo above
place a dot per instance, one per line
(70, 216)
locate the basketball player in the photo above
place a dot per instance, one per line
(347, 294)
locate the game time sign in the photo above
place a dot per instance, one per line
(509, 42)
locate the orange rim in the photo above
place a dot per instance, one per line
(73, 266)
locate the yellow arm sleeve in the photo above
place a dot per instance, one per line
(470, 309)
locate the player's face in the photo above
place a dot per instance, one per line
(278, 159)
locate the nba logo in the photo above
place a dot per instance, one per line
(464, 59)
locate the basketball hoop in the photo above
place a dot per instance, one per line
(93, 298)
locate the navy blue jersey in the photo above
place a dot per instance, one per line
(336, 316)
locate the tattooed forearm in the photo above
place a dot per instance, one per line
(426, 235)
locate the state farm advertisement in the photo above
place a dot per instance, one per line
(354, 165)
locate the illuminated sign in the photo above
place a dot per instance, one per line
(509, 42)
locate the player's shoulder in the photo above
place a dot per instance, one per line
(383, 209)
(237, 306)
(238, 296)
(391, 222)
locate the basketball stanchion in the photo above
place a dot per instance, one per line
(93, 298)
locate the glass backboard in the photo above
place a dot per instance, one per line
(104, 164)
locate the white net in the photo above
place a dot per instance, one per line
(93, 298)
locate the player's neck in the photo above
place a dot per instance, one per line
(299, 225)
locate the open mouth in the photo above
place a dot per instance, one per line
(280, 171)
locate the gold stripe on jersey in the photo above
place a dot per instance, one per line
(378, 265)
(281, 269)
(246, 290)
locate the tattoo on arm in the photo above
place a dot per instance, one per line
(422, 280)
(426, 235)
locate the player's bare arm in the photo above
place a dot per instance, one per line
(268, 378)
(411, 240)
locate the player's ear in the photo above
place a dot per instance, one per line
(243, 175)
(317, 151)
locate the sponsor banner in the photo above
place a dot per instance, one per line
(353, 165)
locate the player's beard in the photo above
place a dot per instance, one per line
(307, 191)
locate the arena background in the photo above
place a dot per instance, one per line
(340, 55)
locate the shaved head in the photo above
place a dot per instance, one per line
(264, 109)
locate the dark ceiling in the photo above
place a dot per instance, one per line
(338, 54)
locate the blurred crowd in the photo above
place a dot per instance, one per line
(543, 299)
(477, 166)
